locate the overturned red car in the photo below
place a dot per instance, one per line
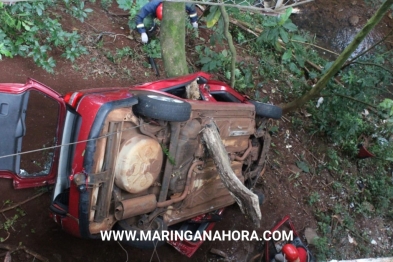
(130, 158)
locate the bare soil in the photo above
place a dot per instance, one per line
(286, 192)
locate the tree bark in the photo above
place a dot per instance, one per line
(172, 38)
(232, 48)
(321, 84)
(247, 200)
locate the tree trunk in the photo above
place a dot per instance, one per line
(232, 48)
(247, 200)
(172, 37)
(321, 84)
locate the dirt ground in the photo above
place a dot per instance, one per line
(284, 193)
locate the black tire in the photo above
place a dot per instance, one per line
(162, 108)
(267, 110)
(156, 225)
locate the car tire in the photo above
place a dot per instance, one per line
(162, 108)
(156, 225)
(267, 110)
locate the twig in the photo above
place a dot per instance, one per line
(372, 64)
(264, 11)
(320, 70)
(94, 29)
(13, 248)
(319, 47)
(6, 218)
(5, 239)
(124, 250)
(190, 62)
(123, 14)
(21, 203)
(362, 53)
(284, 118)
(155, 252)
(351, 98)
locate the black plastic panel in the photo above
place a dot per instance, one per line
(12, 129)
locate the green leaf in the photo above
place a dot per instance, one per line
(273, 129)
(291, 27)
(327, 66)
(299, 38)
(287, 55)
(293, 67)
(205, 60)
(284, 17)
(313, 75)
(300, 59)
(224, 53)
(269, 23)
(303, 166)
(386, 103)
(26, 26)
(284, 35)
(213, 17)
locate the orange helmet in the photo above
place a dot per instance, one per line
(159, 12)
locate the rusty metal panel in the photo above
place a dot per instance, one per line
(207, 193)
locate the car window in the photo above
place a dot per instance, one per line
(223, 96)
(40, 123)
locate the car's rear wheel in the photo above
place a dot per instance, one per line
(267, 110)
(156, 227)
(162, 108)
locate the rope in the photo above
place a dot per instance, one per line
(73, 143)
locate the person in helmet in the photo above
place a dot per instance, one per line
(154, 9)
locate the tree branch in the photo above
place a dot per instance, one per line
(321, 84)
(13, 248)
(264, 11)
(247, 200)
(367, 50)
(21, 203)
(372, 64)
(353, 99)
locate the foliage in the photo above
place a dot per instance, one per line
(353, 112)
(277, 27)
(210, 60)
(153, 49)
(133, 7)
(32, 29)
(219, 62)
(105, 4)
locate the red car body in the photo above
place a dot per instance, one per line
(78, 121)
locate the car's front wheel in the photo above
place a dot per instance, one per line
(155, 227)
(162, 108)
(267, 110)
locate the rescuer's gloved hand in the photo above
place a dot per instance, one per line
(195, 25)
(144, 37)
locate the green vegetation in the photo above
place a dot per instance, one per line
(355, 110)
(33, 29)
(133, 8)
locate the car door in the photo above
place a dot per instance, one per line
(31, 125)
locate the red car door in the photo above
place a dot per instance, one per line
(31, 126)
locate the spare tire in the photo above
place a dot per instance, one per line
(267, 110)
(162, 108)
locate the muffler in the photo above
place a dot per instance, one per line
(135, 206)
